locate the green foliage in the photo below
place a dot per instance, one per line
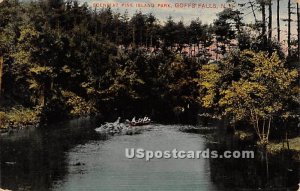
(255, 87)
(71, 61)
(265, 92)
(177, 80)
(19, 117)
(78, 106)
(3, 120)
(208, 83)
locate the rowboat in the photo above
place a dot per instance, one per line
(139, 123)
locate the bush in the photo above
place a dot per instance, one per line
(3, 120)
(19, 117)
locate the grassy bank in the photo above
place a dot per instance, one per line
(18, 118)
(292, 145)
(274, 147)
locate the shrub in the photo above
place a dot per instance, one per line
(19, 117)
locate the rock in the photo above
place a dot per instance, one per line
(4, 189)
(120, 128)
(78, 164)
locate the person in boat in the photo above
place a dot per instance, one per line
(133, 120)
(140, 120)
(146, 120)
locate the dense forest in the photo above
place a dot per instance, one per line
(62, 59)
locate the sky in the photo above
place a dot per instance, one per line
(185, 14)
(206, 15)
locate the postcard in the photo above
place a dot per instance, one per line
(144, 95)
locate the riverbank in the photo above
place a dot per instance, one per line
(292, 146)
(274, 148)
(24, 118)
(17, 118)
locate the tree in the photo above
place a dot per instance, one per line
(168, 34)
(262, 96)
(289, 27)
(138, 27)
(263, 24)
(150, 34)
(179, 87)
(278, 20)
(122, 85)
(199, 36)
(227, 27)
(298, 31)
(270, 32)
(209, 84)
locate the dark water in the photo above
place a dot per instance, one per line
(77, 158)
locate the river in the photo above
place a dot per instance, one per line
(77, 158)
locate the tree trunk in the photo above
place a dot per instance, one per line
(133, 36)
(269, 129)
(42, 97)
(1, 73)
(278, 20)
(287, 142)
(263, 12)
(253, 11)
(147, 38)
(286, 138)
(298, 31)
(289, 27)
(270, 21)
(96, 22)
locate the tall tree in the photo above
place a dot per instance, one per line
(263, 24)
(253, 11)
(150, 21)
(224, 30)
(278, 20)
(298, 31)
(270, 20)
(138, 22)
(167, 33)
(289, 27)
(262, 95)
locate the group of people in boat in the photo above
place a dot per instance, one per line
(118, 127)
(141, 121)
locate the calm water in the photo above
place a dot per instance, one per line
(77, 158)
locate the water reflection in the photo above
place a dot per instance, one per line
(262, 173)
(34, 159)
(107, 169)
